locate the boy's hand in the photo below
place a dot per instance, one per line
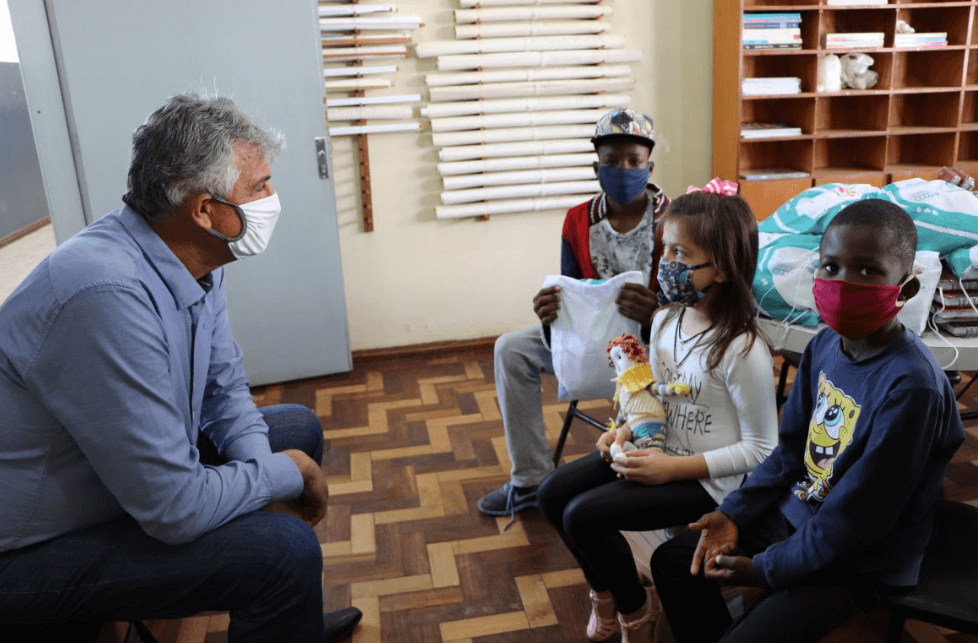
(731, 570)
(636, 302)
(546, 304)
(718, 536)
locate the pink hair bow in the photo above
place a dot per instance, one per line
(716, 186)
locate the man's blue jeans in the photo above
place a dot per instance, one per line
(264, 568)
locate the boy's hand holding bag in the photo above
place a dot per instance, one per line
(587, 321)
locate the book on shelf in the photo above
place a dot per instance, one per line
(955, 314)
(854, 40)
(764, 86)
(768, 130)
(752, 47)
(848, 36)
(855, 44)
(789, 16)
(771, 34)
(959, 329)
(949, 282)
(776, 40)
(955, 299)
(850, 3)
(757, 25)
(919, 45)
(760, 174)
(936, 39)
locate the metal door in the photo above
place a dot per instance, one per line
(94, 70)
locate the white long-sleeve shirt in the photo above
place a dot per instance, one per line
(730, 416)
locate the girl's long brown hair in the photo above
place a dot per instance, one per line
(725, 227)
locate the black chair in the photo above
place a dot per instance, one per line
(789, 359)
(573, 412)
(946, 594)
(139, 629)
(955, 378)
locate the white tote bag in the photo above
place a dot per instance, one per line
(588, 319)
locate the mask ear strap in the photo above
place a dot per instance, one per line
(241, 215)
(903, 284)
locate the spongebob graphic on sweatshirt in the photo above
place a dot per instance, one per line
(829, 433)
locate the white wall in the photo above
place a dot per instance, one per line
(415, 279)
(8, 47)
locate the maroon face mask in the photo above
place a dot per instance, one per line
(855, 310)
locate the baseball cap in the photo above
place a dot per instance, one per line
(627, 123)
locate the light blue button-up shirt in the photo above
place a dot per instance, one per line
(112, 358)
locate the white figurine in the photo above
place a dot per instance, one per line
(829, 73)
(856, 72)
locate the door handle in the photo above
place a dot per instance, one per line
(321, 157)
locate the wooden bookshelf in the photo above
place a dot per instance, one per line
(922, 114)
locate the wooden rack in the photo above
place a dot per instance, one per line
(921, 116)
(355, 40)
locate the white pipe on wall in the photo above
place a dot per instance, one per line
(330, 39)
(489, 208)
(369, 112)
(353, 9)
(551, 28)
(516, 191)
(335, 54)
(355, 84)
(337, 72)
(497, 3)
(542, 88)
(553, 12)
(496, 150)
(372, 100)
(477, 137)
(455, 168)
(528, 74)
(541, 43)
(497, 106)
(519, 119)
(375, 129)
(514, 178)
(538, 59)
(360, 24)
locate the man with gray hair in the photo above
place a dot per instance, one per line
(138, 479)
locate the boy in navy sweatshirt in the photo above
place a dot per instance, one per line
(845, 504)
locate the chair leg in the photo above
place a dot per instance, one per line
(571, 412)
(782, 382)
(894, 627)
(139, 627)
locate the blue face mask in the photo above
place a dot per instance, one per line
(676, 283)
(623, 185)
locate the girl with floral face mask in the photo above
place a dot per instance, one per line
(706, 337)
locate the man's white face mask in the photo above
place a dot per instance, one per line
(257, 223)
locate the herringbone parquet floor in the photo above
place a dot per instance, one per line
(412, 444)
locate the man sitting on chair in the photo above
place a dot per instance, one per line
(116, 355)
(614, 232)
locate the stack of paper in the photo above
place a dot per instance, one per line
(768, 130)
(760, 174)
(766, 86)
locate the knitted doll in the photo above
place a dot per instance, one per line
(638, 396)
